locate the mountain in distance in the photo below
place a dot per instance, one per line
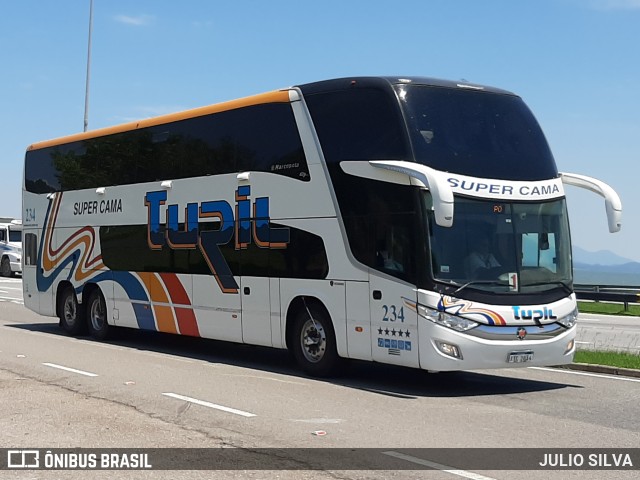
(601, 257)
(604, 268)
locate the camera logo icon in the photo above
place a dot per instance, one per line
(23, 459)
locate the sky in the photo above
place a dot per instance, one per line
(576, 63)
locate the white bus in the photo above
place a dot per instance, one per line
(10, 246)
(409, 221)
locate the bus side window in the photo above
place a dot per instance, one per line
(30, 249)
(267, 139)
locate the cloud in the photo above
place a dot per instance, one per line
(204, 24)
(136, 21)
(615, 4)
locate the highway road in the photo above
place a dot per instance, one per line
(607, 332)
(143, 390)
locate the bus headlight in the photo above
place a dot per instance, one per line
(449, 349)
(454, 322)
(569, 321)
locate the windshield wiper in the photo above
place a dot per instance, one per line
(482, 282)
(564, 286)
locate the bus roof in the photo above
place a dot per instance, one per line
(346, 82)
(276, 96)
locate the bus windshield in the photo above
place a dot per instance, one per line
(503, 247)
(475, 133)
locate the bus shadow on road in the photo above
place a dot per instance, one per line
(414, 383)
(377, 378)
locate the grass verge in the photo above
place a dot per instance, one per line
(611, 359)
(608, 308)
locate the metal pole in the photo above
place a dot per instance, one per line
(86, 95)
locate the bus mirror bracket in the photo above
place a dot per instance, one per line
(612, 202)
(429, 178)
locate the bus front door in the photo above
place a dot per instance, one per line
(394, 321)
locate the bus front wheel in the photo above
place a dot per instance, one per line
(71, 314)
(97, 312)
(314, 343)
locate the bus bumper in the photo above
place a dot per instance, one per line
(16, 267)
(444, 349)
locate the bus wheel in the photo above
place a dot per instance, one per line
(72, 318)
(5, 267)
(97, 312)
(314, 343)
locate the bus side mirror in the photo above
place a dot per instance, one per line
(612, 202)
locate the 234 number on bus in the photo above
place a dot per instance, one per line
(392, 313)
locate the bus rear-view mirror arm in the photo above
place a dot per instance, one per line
(612, 201)
(409, 173)
(429, 178)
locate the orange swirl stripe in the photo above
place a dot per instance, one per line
(83, 240)
(465, 307)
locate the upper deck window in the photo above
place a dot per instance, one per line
(261, 138)
(476, 133)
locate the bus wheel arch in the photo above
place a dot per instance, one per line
(70, 312)
(310, 337)
(96, 312)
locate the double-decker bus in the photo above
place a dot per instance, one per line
(409, 221)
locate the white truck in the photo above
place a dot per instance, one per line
(10, 246)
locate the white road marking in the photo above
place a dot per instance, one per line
(587, 374)
(210, 405)
(94, 344)
(438, 466)
(72, 370)
(584, 343)
(11, 299)
(319, 420)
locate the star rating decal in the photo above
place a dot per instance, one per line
(394, 332)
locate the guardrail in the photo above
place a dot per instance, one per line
(608, 293)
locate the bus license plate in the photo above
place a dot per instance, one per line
(520, 357)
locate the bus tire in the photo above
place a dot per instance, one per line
(71, 313)
(5, 267)
(314, 342)
(97, 316)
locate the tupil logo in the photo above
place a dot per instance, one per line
(544, 313)
(239, 223)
